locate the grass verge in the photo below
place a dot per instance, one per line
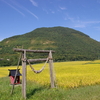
(39, 92)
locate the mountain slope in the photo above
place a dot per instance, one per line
(68, 43)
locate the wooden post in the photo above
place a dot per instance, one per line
(24, 74)
(51, 70)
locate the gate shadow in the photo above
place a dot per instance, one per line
(33, 91)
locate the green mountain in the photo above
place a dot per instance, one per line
(68, 44)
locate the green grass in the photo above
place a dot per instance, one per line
(39, 92)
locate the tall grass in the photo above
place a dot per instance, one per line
(68, 74)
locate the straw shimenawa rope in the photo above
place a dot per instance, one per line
(38, 71)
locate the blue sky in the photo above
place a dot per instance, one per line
(21, 16)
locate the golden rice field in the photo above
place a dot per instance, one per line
(68, 74)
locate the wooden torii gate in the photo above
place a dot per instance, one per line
(24, 61)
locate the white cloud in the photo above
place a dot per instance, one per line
(45, 11)
(34, 3)
(62, 8)
(80, 26)
(92, 22)
(98, 28)
(52, 12)
(14, 8)
(76, 22)
(21, 7)
(32, 13)
(67, 17)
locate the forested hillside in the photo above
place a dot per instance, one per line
(68, 44)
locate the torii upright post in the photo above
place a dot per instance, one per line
(51, 70)
(24, 74)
